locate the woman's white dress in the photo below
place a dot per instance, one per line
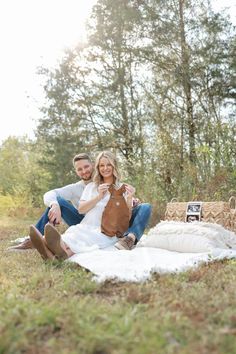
(87, 235)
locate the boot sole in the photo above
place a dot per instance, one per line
(53, 241)
(37, 240)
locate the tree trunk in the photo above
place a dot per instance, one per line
(187, 84)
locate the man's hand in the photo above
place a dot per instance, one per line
(54, 214)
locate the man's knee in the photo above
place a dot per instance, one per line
(61, 201)
(142, 211)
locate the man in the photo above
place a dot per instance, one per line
(62, 203)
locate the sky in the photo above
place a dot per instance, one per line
(35, 33)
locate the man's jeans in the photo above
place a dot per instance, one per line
(138, 222)
(69, 214)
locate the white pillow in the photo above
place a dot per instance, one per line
(179, 243)
(177, 236)
(188, 237)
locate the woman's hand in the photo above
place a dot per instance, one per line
(130, 190)
(102, 189)
(85, 206)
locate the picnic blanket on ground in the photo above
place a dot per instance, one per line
(146, 258)
(139, 264)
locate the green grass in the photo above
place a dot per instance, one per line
(58, 308)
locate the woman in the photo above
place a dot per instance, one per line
(87, 235)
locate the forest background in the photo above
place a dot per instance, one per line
(155, 83)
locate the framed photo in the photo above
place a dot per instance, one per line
(193, 211)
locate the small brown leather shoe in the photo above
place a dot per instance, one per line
(39, 243)
(53, 241)
(125, 243)
(25, 245)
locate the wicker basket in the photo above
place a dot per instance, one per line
(232, 203)
(215, 212)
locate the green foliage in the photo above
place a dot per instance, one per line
(17, 204)
(22, 177)
(154, 84)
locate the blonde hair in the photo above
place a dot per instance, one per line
(98, 179)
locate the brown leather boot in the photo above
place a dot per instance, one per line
(39, 243)
(53, 241)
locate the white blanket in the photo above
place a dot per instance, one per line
(139, 264)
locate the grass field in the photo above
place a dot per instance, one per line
(58, 308)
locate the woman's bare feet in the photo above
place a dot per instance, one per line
(53, 241)
(39, 243)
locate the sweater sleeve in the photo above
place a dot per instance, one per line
(70, 192)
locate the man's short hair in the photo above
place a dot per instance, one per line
(82, 156)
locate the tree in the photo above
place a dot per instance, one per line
(155, 84)
(188, 49)
(21, 173)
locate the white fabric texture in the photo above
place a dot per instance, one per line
(87, 236)
(189, 237)
(140, 263)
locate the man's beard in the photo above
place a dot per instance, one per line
(86, 179)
